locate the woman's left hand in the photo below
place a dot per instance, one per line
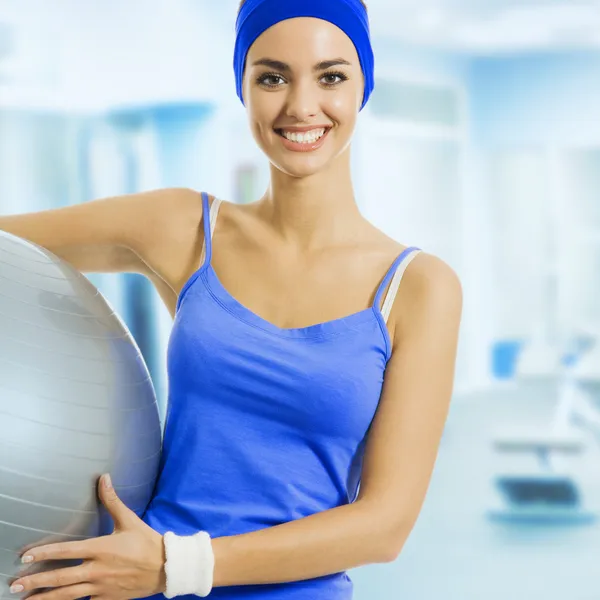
(129, 563)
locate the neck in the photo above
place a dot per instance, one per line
(315, 211)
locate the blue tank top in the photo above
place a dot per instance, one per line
(264, 425)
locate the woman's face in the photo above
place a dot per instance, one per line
(299, 92)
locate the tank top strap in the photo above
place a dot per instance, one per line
(209, 226)
(395, 273)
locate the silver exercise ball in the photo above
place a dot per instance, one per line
(76, 401)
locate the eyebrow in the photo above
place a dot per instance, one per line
(281, 66)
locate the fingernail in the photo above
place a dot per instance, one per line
(107, 482)
(27, 558)
(15, 589)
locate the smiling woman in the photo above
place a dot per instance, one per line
(303, 420)
(303, 98)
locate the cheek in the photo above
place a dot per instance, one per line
(342, 109)
(263, 110)
(347, 101)
(261, 119)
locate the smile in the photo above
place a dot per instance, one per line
(307, 141)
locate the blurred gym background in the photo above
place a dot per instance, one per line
(481, 144)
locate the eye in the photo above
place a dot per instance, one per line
(334, 74)
(273, 80)
(263, 79)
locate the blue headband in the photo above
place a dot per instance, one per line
(256, 16)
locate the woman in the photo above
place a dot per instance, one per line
(298, 365)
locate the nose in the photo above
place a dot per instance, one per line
(302, 101)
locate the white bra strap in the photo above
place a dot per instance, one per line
(214, 211)
(393, 289)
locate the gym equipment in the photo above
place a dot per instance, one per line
(549, 497)
(76, 401)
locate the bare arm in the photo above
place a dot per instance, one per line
(93, 236)
(407, 429)
(153, 233)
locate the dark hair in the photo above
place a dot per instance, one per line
(244, 1)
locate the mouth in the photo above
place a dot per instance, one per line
(304, 141)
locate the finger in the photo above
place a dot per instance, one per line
(73, 529)
(57, 578)
(81, 590)
(62, 550)
(123, 517)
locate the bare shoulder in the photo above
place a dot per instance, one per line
(431, 277)
(170, 234)
(430, 293)
(173, 208)
(428, 278)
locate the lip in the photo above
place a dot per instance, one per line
(307, 147)
(303, 129)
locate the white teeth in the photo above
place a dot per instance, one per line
(305, 138)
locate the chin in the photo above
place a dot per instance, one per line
(299, 164)
(300, 168)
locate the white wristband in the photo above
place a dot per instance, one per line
(189, 564)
